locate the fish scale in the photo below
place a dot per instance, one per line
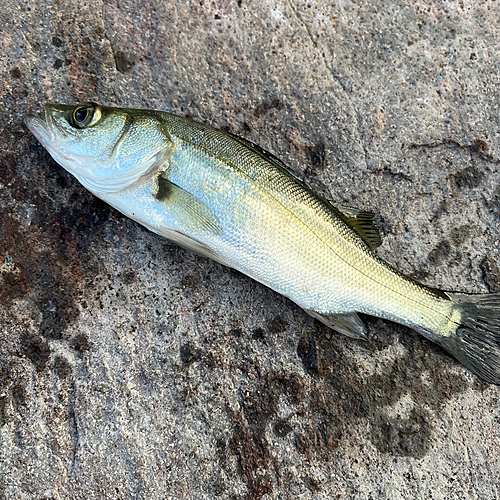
(226, 198)
(277, 211)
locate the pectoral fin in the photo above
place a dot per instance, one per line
(186, 208)
(347, 324)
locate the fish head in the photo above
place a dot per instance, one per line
(106, 149)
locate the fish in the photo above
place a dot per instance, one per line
(228, 199)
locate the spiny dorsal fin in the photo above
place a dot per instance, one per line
(364, 223)
(264, 154)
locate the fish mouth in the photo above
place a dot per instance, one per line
(51, 136)
(47, 132)
(39, 129)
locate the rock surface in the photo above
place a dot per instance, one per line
(131, 368)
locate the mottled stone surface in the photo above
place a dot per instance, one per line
(132, 369)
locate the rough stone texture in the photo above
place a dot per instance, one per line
(131, 368)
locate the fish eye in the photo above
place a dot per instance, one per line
(81, 114)
(85, 115)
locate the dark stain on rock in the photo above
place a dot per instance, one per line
(258, 334)
(123, 62)
(491, 274)
(469, 178)
(440, 254)
(272, 326)
(236, 332)
(245, 128)
(57, 42)
(62, 368)
(3, 411)
(306, 351)
(281, 428)
(480, 385)
(441, 210)
(266, 106)
(257, 466)
(189, 353)
(36, 350)
(254, 458)
(190, 282)
(402, 436)
(276, 325)
(313, 484)
(128, 277)
(16, 73)
(13, 287)
(80, 343)
(78, 224)
(320, 439)
(494, 203)
(336, 397)
(64, 179)
(55, 304)
(48, 262)
(346, 399)
(316, 155)
(18, 395)
(460, 234)
(480, 147)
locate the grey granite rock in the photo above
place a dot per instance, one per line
(132, 369)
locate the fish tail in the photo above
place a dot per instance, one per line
(476, 340)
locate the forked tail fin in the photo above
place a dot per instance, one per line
(476, 342)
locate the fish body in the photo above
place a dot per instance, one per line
(228, 199)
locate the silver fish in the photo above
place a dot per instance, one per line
(226, 198)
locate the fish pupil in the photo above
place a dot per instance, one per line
(81, 114)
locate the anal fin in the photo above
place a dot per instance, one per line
(347, 324)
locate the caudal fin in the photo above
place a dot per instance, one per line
(476, 342)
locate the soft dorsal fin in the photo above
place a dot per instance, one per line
(364, 223)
